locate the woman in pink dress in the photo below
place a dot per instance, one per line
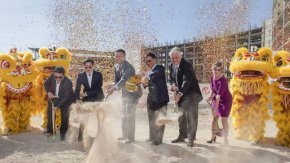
(221, 100)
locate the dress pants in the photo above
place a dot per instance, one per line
(189, 116)
(156, 132)
(64, 117)
(128, 118)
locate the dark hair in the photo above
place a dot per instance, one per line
(89, 60)
(121, 50)
(152, 55)
(59, 69)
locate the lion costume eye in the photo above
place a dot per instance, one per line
(26, 65)
(240, 57)
(5, 64)
(265, 58)
(63, 56)
(279, 63)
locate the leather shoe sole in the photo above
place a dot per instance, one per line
(177, 141)
(122, 138)
(190, 144)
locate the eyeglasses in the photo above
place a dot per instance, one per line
(216, 69)
(88, 67)
(58, 77)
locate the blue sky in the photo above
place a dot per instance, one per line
(25, 22)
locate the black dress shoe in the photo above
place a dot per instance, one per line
(156, 142)
(179, 139)
(62, 137)
(190, 144)
(129, 141)
(47, 133)
(122, 138)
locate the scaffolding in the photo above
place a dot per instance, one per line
(204, 52)
(281, 25)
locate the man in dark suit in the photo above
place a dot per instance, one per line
(157, 98)
(123, 71)
(187, 95)
(92, 82)
(59, 91)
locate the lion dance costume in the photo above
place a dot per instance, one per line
(281, 97)
(46, 63)
(250, 90)
(17, 91)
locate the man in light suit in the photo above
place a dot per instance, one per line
(123, 71)
(92, 82)
(187, 95)
(157, 98)
(59, 91)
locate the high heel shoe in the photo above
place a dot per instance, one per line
(212, 140)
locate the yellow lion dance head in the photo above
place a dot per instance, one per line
(282, 71)
(17, 70)
(49, 59)
(251, 68)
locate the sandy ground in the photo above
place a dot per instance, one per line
(35, 147)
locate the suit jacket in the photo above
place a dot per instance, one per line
(95, 93)
(121, 76)
(186, 79)
(65, 93)
(158, 92)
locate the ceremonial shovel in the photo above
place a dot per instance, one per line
(53, 123)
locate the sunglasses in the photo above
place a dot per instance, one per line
(58, 77)
(88, 67)
(216, 69)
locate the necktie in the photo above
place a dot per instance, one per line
(176, 73)
(119, 69)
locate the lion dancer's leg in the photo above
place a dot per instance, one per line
(10, 117)
(25, 114)
(278, 116)
(282, 118)
(239, 114)
(256, 128)
(258, 117)
(282, 136)
(44, 115)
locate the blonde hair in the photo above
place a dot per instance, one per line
(216, 65)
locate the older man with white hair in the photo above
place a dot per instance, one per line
(187, 95)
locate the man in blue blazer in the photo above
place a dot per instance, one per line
(157, 98)
(92, 82)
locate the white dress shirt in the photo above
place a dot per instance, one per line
(90, 77)
(57, 88)
(150, 72)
